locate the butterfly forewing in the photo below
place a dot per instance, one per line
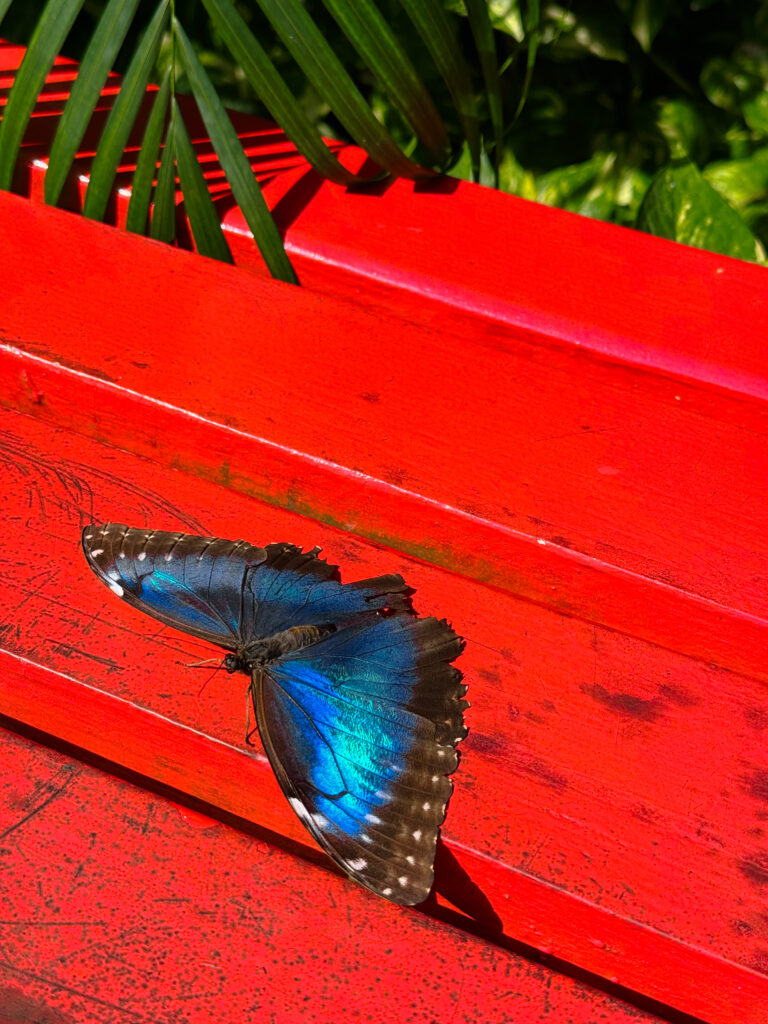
(192, 583)
(296, 588)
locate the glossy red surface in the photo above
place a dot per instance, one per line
(565, 455)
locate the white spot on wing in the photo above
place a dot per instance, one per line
(426, 805)
(411, 860)
(169, 556)
(417, 834)
(116, 588)
(358, 864)
(142, 555)
(386, 892)
(385, 797)
(403, 880)
(320, 820)
(298, 807)
(97, 552)
(365, 838)
(121, 555)
(373, 819)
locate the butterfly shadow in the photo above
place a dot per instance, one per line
(455, 885)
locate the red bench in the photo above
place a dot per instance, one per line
(556, 430)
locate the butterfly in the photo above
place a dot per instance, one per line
(356, 701)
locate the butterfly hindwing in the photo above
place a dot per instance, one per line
(361, 730)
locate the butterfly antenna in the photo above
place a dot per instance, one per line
(210, 677)
(470, 640)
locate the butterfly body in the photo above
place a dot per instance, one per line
(356, 701)
(262, 652)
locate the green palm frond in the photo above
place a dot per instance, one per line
(94, 69)
(144, 176)
(123, 115)
(152, 121)
(52, 29)
(234, 162)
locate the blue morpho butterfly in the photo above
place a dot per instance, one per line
(357, 704)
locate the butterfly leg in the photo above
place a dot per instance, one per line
(250, 696)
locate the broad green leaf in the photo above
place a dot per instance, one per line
(482, 30)
(683, 129)
(741, 182)
(234, 162)
(682, 206)
(504, 15)
(646, 20)
(122, 117)
(514, 178)
(51, 31)
(273, 92)
(325, 71)
(437, 31)
(755, 112)
(557, 186)
(163, 226)
(369, 33)
(631, 186)
(203, 218)
(727, 82)
(96, 65)
(573, 31)
(144, 175)
(507, 17)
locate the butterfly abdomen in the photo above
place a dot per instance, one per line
(260, 653)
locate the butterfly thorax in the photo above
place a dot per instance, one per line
(262, 652)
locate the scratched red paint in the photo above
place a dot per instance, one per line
(137, 916)
(610, 804)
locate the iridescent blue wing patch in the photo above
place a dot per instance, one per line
(361, 729)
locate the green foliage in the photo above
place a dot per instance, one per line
(645, 113)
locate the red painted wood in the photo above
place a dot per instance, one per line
(569, 281)
(587, 433)
(423, 246)
(566, 849)
(157, 913)
(582, 506)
